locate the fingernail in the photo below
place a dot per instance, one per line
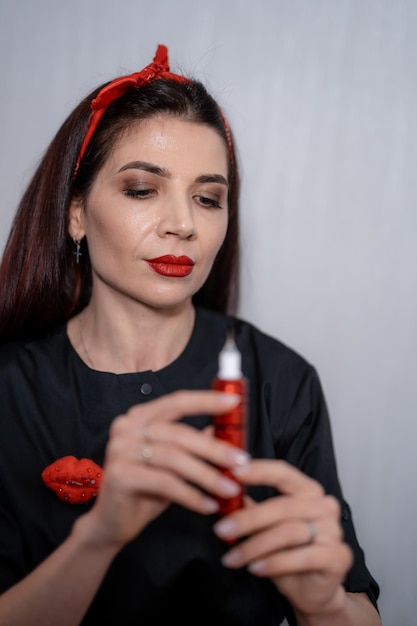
(256, 567)
(229, 487)
(240, 469)
(231, 399)
(210, 505)
(231, 559)
(225, 528)
(240, 457)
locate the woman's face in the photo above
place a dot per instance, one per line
(157, 213)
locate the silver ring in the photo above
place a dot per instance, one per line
(312, 531)
(147, 453)
(146, 433)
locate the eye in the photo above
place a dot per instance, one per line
(139, 193)
(208, 202)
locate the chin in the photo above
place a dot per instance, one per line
(170, 304)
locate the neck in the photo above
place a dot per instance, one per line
(120, 343)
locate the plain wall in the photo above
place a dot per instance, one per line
(322, 98)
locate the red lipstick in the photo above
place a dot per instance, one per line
(170, 265)
(231, 426)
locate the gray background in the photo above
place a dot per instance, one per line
(322, 97)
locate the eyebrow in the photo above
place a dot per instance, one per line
(165, 173)
(212, 178)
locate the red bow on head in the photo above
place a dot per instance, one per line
(159, 68)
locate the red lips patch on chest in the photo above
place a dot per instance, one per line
(73, 480)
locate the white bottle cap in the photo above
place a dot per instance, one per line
(230, 360)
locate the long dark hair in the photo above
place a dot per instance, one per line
(41, 285)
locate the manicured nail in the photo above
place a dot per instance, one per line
(229, 487)
(257, 567)
(210, 505)
(231, 399)
(231, 559)
(241, 467)
(240, 457)
(225, 528)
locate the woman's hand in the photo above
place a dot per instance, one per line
(153, 460)
(295, 538)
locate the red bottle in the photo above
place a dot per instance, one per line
(231, 426)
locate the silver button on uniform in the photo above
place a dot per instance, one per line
(146, 389)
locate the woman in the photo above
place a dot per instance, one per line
(117, 284)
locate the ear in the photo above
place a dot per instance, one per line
(76, 228)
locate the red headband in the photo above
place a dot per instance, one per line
(159, 68)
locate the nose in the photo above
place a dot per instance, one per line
(177, 219)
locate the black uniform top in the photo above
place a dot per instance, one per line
(53, 405)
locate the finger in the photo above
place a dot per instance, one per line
(284, 536)
(127, 450)
(279, 474)
(208, 431)
(333, 561)
(198, 443)
(178, 404)
(128, 437)
(248, 501)
(273, 511)
(142, 481)
(190, 469)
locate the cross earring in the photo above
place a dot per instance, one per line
(77, 251)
